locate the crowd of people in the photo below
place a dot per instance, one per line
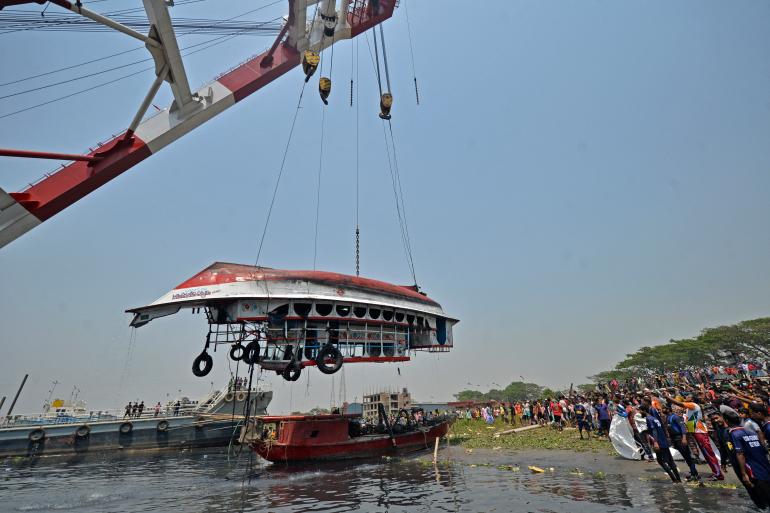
(690, 411)
(136, 409)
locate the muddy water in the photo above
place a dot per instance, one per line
(480, 481)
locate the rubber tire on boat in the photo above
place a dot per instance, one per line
(37, 435)
(126, 428)
(229, 397)
(83, 431)
(240, 396)
(389, 349)
(329, 352)
(207, 361)
(162, 426)
(292, 371)
(251, 353)
(237, 352)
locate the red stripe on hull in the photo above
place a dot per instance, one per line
(220, 273)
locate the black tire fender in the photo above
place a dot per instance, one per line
(237, 352)
(251, 353)
(83, 431)
(162, 426)
(37, 435)
(202, 364)
(328, 352)
(126, 428)
(292, 371)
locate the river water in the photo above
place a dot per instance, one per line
(210, 482)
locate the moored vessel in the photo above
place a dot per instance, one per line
(65, 428)
(313, 438)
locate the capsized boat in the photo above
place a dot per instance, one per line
(306, 438)
(286, 320)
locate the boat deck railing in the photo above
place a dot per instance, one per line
(166, 411)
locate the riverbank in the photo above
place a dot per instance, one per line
(475, 434)
(474, 443)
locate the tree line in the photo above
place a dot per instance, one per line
(723, 345)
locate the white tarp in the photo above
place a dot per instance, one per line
(623, 439)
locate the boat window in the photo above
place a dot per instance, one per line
(359, 311)
(399, 316)
(314, 433)
(420, 322)
(387, 315)
(277, 314)
(343, 310)
(410, 319)
(323, 309)
(374, 313)
(441, 330)
(302, 309)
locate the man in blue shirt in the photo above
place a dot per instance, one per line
(750, 461)
(677, 431)
(759, 415)
(603, 416)
(581, 416)
(656, 437)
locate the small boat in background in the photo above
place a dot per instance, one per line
(311, 438)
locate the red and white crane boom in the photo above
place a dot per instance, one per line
(22, 211)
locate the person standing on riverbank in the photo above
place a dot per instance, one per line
(581, 416)
(656, 437)
(698, 430)
(677, 431)
(750, 461)
(603, 418)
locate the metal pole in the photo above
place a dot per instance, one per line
(147, 100)
(106, 21)
(7, 152)
(23, 381)
(2, 402)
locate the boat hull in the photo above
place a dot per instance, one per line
(217, 427)
(368, 446)
(61, 439)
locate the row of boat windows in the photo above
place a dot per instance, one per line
(344, 310)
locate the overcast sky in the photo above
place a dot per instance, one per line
(581, 178)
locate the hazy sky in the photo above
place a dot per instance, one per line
(581, 178)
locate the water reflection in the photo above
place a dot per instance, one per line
(212, 483)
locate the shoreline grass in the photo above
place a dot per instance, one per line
(475, 434)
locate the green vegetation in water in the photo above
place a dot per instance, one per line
(473, 434)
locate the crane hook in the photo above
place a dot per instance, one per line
(325, 88)
(386, 102)
(310, 61)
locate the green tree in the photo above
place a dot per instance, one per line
(469, 395)
(722, 345)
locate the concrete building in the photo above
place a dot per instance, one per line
(392, 401)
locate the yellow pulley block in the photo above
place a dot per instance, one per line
(386, 102)
(310, 61)
(325, 88)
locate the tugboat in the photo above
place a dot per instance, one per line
(305, 438)
(67, 427)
